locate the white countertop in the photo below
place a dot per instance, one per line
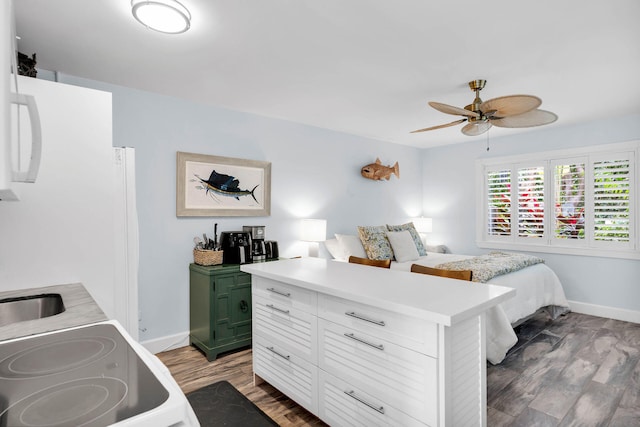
(437, 299)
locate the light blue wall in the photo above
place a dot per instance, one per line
(450, 197)
(315, 174)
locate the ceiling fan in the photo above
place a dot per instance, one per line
(512, 111)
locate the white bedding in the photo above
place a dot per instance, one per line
(536, 286)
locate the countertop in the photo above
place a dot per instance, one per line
(80, 309)
(437, 299)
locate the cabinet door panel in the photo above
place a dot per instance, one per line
(285, 295)
(233, 313)
(290, 327)
(395, 375)
(292, 375)
(341, 404)
(404, 330)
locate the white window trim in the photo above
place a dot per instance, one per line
(547, 244)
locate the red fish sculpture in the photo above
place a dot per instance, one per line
(377, 171)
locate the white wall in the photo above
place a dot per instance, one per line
(315, 174)
(61, 230)
(449, 197)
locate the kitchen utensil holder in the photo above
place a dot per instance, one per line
(207, 257)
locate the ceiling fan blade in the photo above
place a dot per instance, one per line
(529, 119)
(457, 122)
(512, 105)
(476, 128)
(449, 109)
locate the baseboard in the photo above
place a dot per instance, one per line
(604, 311)
(169, 342)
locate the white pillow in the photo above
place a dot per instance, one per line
(351, 245)
(334, 248)
(404, 248)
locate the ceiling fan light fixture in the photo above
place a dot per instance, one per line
(165, 16)
(512, 111)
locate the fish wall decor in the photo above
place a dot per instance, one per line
(224, 185)
(377, 171)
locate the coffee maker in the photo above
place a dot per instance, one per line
(256, 235)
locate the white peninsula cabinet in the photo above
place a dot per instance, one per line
(365, 346)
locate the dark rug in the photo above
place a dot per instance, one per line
(220, 404)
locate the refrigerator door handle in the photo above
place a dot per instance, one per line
(36, 138)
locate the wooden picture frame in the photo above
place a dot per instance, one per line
(222, 186)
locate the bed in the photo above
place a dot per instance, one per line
(537, 287)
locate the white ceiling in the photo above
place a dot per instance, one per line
(366, 67)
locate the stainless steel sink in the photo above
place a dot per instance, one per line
(31, 307)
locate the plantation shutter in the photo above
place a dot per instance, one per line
(612, 181)
(580, 201)
(499, 202)
(531, 201)
(569, 191)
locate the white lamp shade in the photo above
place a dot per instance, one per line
(165, 16)
(423, 225)
(314, 230)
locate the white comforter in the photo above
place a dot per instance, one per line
(536, 286)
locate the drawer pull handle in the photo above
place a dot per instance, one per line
(275, 291)
(272, 350)
(357, 316)
(361, 400)
(271, 306)
(363, 341)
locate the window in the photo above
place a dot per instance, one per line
(581, 201)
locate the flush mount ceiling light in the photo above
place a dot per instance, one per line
(165, 16)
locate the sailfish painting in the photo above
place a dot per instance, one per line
(225, 185)
(222, 186)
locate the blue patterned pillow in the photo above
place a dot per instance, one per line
(375, 242)
(414, 234)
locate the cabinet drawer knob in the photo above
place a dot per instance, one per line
(366, 319)
(244, 306)
(275, 291)
(353, 395)
(271, 306)
(363, 341)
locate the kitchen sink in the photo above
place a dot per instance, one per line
(19, 309)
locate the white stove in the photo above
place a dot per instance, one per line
(94, 375)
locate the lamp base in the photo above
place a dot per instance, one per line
(314, 249)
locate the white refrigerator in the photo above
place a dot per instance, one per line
(77, 222)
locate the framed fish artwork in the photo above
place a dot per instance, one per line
(222, 186)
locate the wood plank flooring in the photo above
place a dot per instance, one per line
(578, 370)
(192, 371)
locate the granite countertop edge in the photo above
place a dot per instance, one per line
(80, 309)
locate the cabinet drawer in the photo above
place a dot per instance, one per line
(407, 331)
(290, 327)
(340, 404)
(400, 377)
(287, 372)
(285, 295)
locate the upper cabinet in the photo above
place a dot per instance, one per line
(20, 144)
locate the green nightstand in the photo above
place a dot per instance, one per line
(220, 308)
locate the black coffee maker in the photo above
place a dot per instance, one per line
(236, 247)
(261, 250)
(258, 249)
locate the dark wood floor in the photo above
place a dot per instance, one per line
(578, 370)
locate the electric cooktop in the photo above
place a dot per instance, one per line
(88, 376)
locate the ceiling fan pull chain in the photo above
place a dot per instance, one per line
(487, 140)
